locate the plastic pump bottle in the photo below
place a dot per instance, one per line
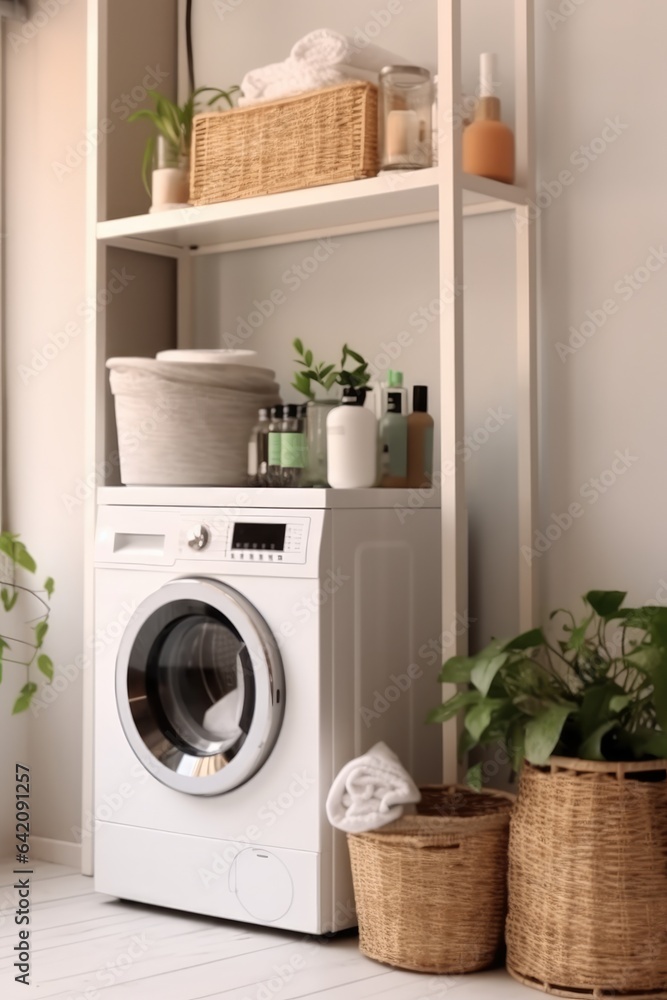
(352, 432)
(420, 440)
(394, 383)
(394, 437)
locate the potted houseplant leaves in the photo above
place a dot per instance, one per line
(27, 652)
(166, 164)
(582, 709)
(314, 377)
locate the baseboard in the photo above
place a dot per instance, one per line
(59, 852)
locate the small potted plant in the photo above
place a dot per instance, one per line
(321, 377)
(582, 709)
(26, 652)
(166, 164)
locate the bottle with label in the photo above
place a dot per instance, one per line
(274, 446)
(420, 440)
(292, 447)
(258, 451)
(394, 383)
(352, 432)
(394, 437)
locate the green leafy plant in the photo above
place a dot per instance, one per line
(313, 374)
(327, 375)
(595, 689)
(174, 122)
(359, 376)
(24, 652)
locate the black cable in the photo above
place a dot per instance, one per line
(188, 42)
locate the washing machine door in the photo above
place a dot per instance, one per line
(200, 686)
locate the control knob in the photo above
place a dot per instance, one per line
(198, 537)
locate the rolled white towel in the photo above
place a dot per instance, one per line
(324, 47)
(370, 792)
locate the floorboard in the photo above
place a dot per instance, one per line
(86, 946)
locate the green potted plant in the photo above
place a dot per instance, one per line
(313, 378)
(582, 709)
(166, 164)
(26, 652)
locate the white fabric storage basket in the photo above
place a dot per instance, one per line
(183, 424)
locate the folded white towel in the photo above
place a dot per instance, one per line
(324, 47)
(320, 59)
(301, 80)
(370, 792)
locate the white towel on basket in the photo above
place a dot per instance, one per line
(370, 791)
(322, 58)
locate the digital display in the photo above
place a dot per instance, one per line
(259, 537)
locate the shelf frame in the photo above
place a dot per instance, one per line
(441, 195)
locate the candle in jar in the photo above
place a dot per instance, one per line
(402, 135)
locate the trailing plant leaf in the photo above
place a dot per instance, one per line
(456, 670)
(46, 666)
(8, 600)
(49, 586)
(454, 705)
(41, 628)
(478, 718)
(487, 665)
(605, 602)
(591, 748)
(22, 703)
(543, 733)
(528, 640)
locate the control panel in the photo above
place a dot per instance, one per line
(246, 539)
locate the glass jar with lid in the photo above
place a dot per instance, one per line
(405, 112)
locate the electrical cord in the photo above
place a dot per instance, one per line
(188, 42)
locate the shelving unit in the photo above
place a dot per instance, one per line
(164, 246)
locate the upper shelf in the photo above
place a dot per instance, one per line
(383, 202)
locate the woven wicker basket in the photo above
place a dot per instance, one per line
(322, 137)
(431, 889)
(588, 880)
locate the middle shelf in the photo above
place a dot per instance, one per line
(389, 200)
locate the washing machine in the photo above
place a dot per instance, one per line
(249, 644)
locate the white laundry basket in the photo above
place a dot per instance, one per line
(183, 424)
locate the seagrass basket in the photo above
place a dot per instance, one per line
(588, 879)
(323, 137)
(430, 889)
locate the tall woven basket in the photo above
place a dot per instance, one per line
(588, 880)
(431, 889)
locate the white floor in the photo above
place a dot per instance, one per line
(86, 946)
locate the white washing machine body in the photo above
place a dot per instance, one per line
(244, 651)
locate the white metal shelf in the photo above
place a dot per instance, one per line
(400, 198)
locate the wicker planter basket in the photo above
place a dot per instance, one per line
(323, 137)
(588, 879)
(431, 889)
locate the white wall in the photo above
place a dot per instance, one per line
(602, 61)
(45, 226)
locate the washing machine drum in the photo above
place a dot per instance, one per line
(200, 686)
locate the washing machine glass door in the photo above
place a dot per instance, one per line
(200, 686)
